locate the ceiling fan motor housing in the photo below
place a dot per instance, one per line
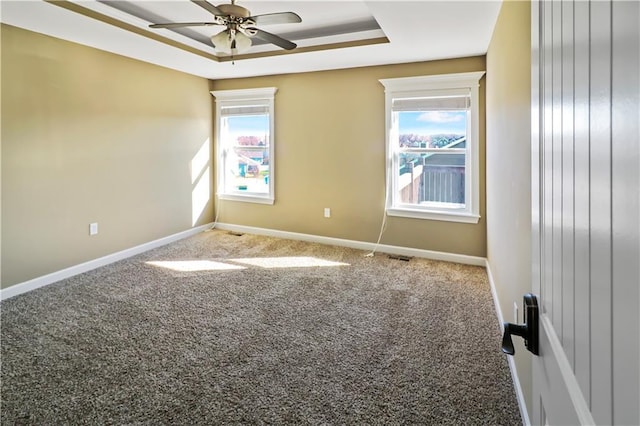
(233, 10)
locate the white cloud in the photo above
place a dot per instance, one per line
(440, 117)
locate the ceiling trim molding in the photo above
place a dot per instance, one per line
(306, 49)
(73, 7)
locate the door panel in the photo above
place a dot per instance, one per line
(568, 183)
(557, 389)
(546, 185)
(600, 227)
(582, 279)
(586, 212)
(554, 158)
(626, 218)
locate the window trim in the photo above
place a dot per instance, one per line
(415, 87)
(227, 98)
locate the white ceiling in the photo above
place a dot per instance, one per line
(327, 38)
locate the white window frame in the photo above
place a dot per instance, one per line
(420, 87)
(233, 98)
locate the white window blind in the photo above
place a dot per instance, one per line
(440, 103)
(226, 111)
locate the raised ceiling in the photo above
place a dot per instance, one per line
(332, 34)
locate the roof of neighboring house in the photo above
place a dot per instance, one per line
(448, 159)
(445, 160)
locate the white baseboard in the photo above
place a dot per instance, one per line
(524, 413)
(361, 245)
(53, 277)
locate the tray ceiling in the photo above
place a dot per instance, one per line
(332, 34)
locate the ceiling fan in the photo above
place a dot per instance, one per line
(241, 26)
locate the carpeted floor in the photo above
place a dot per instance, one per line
(224, 329)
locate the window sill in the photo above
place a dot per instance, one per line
(247, 198)
(435, 215)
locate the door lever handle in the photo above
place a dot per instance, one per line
(528, 331)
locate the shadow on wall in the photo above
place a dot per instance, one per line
(201, 181)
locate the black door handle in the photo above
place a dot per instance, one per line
(528, 330)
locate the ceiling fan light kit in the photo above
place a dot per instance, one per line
(231, 42)
(236, 38)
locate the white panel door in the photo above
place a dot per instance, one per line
(586, 214)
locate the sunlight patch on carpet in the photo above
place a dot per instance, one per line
(194, 265)
(287, 262)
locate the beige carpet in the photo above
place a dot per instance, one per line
(223, 329)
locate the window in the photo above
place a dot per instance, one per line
(244, 129)
(432, 147)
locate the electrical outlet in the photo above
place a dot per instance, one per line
(327, 212)
(515, 312)
(93, 228)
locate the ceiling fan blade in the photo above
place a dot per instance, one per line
(272, 38)
(209, 7)
(183, 24)
(276, 18)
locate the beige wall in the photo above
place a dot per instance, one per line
(89, 136)
(509, 166)
(330, 149)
